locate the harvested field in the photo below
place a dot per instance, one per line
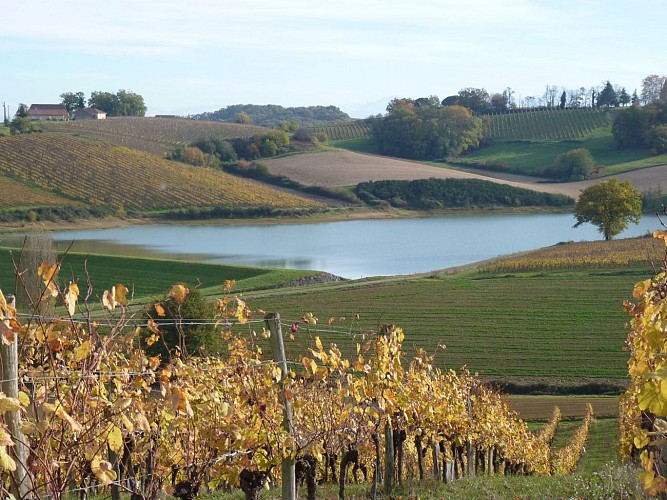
(346, 168)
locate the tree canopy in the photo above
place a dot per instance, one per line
(73, 100)
(607, 96)
(122, 103)
(641, 127)
(652, 87)
(426, 129)
(610, 205)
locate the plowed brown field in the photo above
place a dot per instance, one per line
(346, 168)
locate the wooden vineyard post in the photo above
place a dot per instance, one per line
(288, 465)
(21, 480)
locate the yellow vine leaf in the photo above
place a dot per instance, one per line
(121, 294)
(641, 438)
(115, 439)
(159, 310)
(48, 272)
(121, 404)
(228, 285)
(277, 373)
(661, 235)
(640, 289)
(242, 312)
(109, 299)
(6, 311)
(178, 293)
(5, 436)
(103, 471)
(318, 344)
(8, 329)
(6, 462)
(24, 399)
(71, 298)
(180, 403)
(82, 352)
(9, 404)
(152, 326)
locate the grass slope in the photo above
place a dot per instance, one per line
(104, 174)
(153, 135)
(150, 278)
(533, 325)
(530, 158)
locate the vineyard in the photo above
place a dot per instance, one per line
(358, 129)
(15, 195)
(542, 125)
(547, 125)
(624, 253)
(153, 135)
(103, 174)
(98, 413)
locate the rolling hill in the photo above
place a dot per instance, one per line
(335, 168)
(153, 135)
(98, 173)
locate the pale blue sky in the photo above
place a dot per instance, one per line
(201, 55)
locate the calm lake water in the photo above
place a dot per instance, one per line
(351, 249)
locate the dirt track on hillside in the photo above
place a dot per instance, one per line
(346, 168)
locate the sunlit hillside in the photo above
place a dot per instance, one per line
(103, 174)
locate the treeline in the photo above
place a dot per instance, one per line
(54, 214)
(121, 103)
(642, 127)
(272, 115)
(432, 194)
(233, 212)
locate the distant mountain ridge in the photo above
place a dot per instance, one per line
(271, 115)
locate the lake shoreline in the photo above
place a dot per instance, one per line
(330, 216)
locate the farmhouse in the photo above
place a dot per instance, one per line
(48, 112)
(89, 114)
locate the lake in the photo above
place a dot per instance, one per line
(351, 249)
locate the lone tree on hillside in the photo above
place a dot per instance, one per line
(610, 205)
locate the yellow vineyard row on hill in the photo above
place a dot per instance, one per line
(626, 252)
(13, 194)
(154, 135)
(104, 174)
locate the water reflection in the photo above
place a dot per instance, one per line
(351, 249)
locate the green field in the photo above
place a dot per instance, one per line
(560, 324)
(151, 278)
(530, 158)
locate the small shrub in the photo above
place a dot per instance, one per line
(575, 165)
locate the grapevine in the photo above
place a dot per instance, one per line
(98, 412)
